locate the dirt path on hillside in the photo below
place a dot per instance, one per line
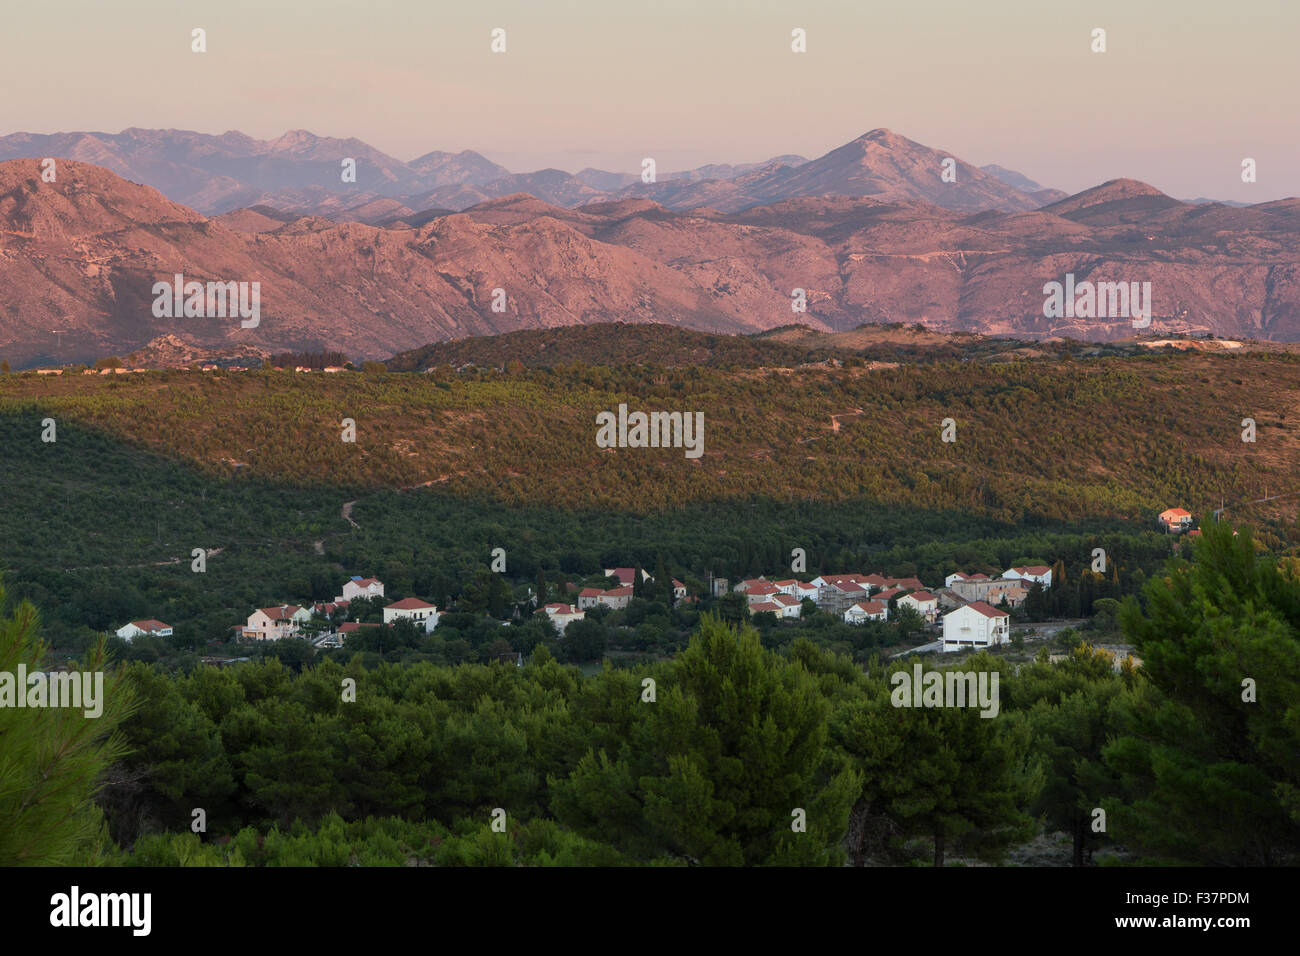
(347, 513)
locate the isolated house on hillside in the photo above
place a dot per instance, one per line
(1175, 520)
(976, 625)
(148, 627)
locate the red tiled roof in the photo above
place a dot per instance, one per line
(912, 584)
(764, 606)
(922, 596)
(625, 591)
(281, 613)
(988, 610)
(409, 604)
(871, 607)
(150, 625)
(786, 600)
(1033, 569)
(558, 609)
(590, 592)
(1175, 513)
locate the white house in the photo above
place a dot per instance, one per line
(924, 603)
(359, 587)
(413, 609)
(790, 605)
(1039, 573)
(151, 627)
(865, 611)
(975, 625)
(1175, 519)
(561, 615)
(275, 623)
(806, 590)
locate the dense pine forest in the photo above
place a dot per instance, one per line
(482, 743)
(727, 754)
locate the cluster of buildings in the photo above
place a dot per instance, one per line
(616, 598)
(971, 620)
(292, 620)
(289, 620)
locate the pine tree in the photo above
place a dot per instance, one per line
(53, 760)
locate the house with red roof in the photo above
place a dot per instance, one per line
(760, 593)
(1030, 574)
(975, 625)
(421, 612)
(561, 615)
(1175, 520)
(148, 627)
(887, 595)
(359, 587)
(626, 576)
(790, 605)
(923, 602)
(865, 611)
(275, 623)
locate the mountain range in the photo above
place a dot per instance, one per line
(79, 258)
(302, 173)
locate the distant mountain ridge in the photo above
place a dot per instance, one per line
(300, 172)
(79, 258)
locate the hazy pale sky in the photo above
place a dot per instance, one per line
(1185, 91)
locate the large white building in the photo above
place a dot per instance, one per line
(975, 625)
(421, 612)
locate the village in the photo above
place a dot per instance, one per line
(969, 612)
(976, 604)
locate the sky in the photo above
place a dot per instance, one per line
(1185, 91)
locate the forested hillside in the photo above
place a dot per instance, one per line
(1116, 437)
(727, 754)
